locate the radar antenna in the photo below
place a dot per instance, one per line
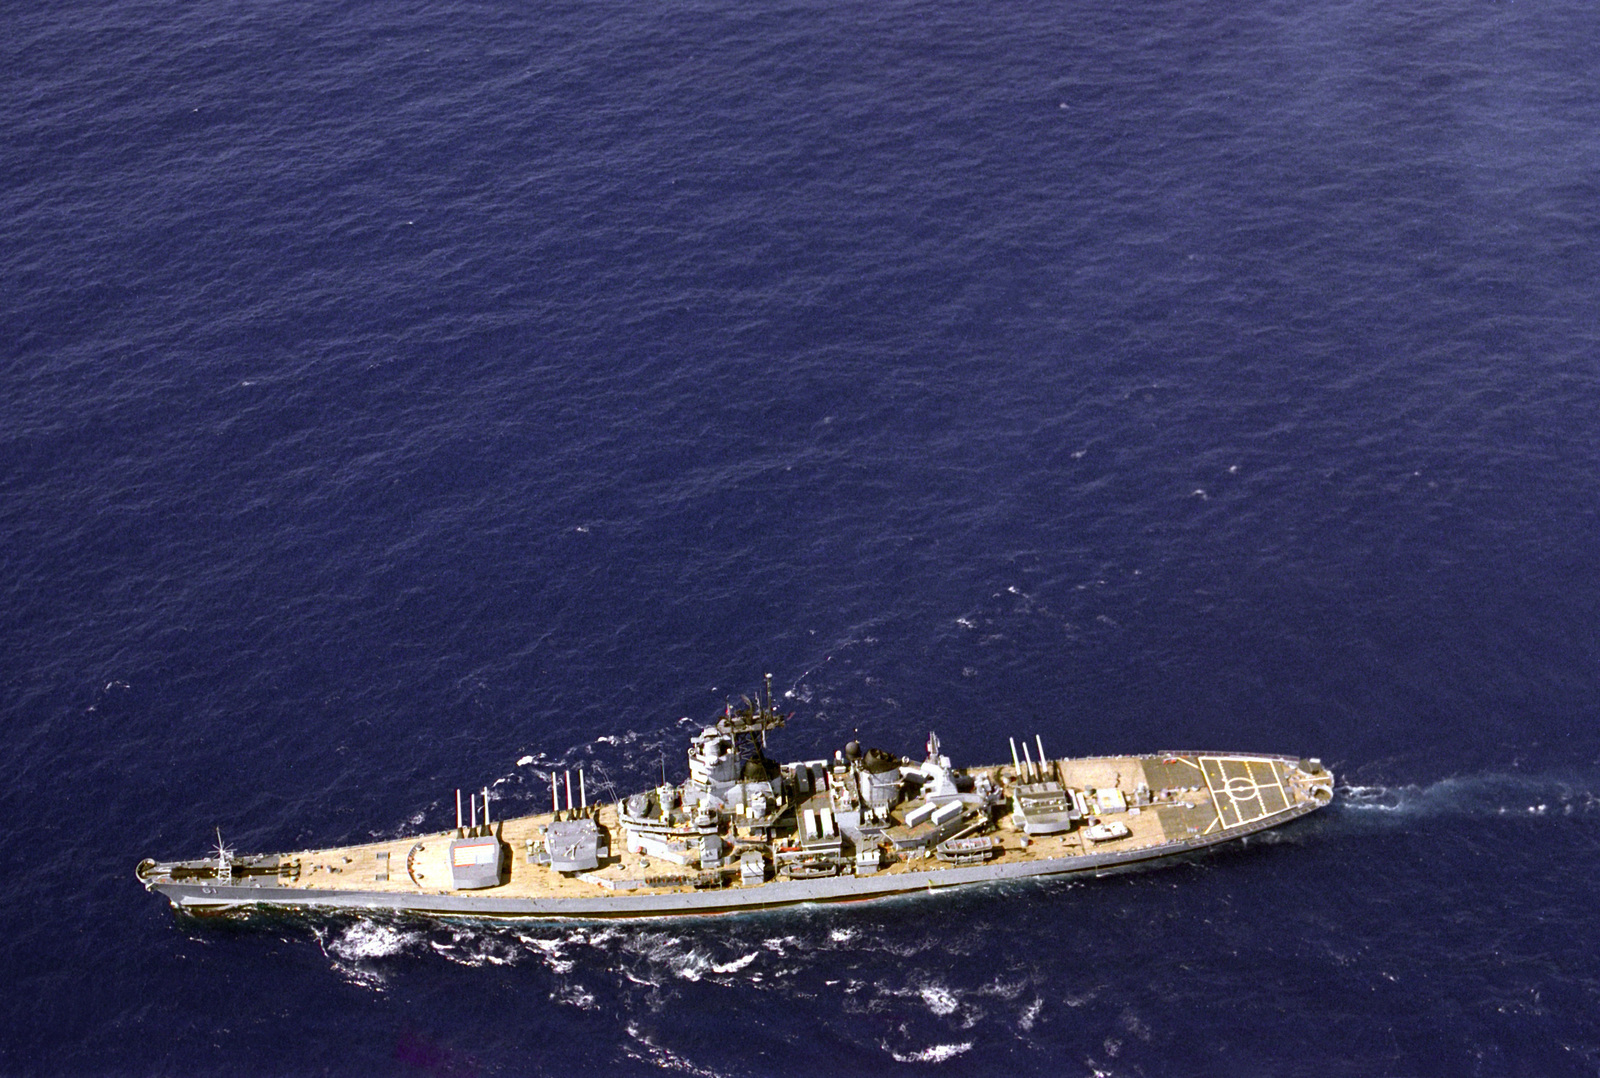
(224, 860)
(747, 725)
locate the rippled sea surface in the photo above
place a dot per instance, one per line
(395, 391)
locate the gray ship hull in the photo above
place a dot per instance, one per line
(744, 832)
(212, 897)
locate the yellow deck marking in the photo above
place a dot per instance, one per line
(1235, 809)
(1216, 803)
(1277, 781)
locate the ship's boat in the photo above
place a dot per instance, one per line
(744, 832)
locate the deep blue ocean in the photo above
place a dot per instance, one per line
(393, 392)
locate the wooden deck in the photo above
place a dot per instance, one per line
(1191, 796)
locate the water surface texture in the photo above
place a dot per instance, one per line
(393, 392)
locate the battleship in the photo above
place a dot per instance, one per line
(744, 832)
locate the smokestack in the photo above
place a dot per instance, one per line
(1015, 763)
(583, 795)
(486, 806)
(555, 798)
(1037, 740)
(458, 811)
(1027, 759)
(473, 800)
(569, 791)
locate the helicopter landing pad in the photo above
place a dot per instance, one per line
(1245, 789)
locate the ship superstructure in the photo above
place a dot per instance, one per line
(743, 831)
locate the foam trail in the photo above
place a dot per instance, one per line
(370, 939)
(1493, 795)
(937, 1053)
(736, 965)
(663, 1058)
